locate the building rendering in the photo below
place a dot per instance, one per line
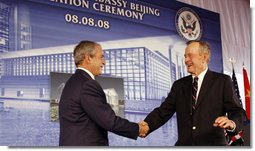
(26, 74)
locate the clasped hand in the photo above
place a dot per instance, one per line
(224, 122)
(143, 128)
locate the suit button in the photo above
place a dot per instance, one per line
(194, 127)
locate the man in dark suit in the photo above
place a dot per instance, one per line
(85, 116)
(214, 107)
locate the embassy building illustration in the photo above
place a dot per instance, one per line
(25, 72)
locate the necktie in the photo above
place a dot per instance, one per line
(194, 93)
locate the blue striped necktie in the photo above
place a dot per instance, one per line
(194, 93)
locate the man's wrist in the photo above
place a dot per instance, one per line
(234, 127)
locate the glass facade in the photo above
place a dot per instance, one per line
(39, 65)
(146, 74)
(25, 37)
(4, 27)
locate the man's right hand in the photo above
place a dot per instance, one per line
(143, 128)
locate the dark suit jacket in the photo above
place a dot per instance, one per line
(85, 116)
(216, 98)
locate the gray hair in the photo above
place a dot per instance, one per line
(204, 48)
(83, 48)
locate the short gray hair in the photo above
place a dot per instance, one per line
(204, 48)
(83, 48)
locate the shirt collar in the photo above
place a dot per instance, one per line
(201, 75)
(90, 74)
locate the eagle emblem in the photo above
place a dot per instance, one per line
(188, 24)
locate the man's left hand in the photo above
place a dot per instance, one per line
(224, 122)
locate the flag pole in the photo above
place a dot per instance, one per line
(232, 61)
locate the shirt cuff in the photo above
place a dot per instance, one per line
(232, 130)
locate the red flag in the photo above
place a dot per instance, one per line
(246, 92)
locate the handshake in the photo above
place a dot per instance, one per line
(143, 128)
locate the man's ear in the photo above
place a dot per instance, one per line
(206, 57)
(87, 58)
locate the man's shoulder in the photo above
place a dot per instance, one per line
(218, 74)
(183, 79)
(78, 78)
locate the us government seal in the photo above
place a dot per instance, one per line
(188, 24)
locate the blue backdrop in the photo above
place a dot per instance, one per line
(140, 42)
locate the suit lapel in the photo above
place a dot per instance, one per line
(187, 86)
(207, 82)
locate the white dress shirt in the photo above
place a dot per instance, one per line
(200, 81)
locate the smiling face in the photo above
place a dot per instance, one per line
(196, 61)
(89, 55)
(97, 61)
